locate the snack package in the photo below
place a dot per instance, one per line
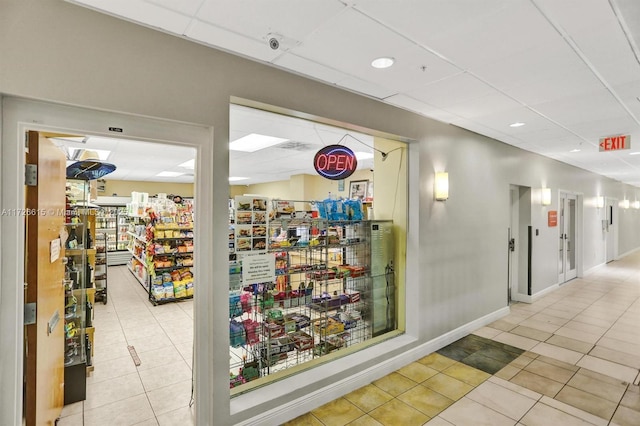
(179, 289)
(157, 291)
(189, 287)
(168, 290)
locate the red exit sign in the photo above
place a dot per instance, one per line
(615, 143)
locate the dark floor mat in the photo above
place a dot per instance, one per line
(481, 353)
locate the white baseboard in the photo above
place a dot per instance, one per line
(519, 297)
(593, 269)
(620, 256)
(310, 401)
(544, 292)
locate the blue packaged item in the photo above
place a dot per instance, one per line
(236, 334)
(353, 209)
(235, 307)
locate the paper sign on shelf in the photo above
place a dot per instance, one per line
(258, 268)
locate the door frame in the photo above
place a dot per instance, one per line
(20, 115)
(579, 238)
(519, 224)
(611, 246)
(563, 204)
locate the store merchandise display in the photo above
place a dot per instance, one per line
(161, 246)
(79, 283)
(112, 220)
(310, 289)
(102, 260)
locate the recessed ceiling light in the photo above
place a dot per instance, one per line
(517, 124)
(188, 164)
(169, 174)
(363, 155)
(254, 142)
(383, 62)
(236, 178)
(635, 153)
(575, 150)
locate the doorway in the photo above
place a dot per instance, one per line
(519, 238)
(21, 116)
(567, 242)
(611, 229)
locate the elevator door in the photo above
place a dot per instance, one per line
(567, 237)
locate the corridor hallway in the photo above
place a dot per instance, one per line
(569, 358)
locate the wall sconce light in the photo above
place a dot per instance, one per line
(546, 196)
(636, 204)
(442, 186)
(600, 201)
(625, 204)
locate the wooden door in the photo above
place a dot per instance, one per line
(44, 340)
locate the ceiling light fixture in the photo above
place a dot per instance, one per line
(236, 178)
(575, 150)
(254, 142)
(169, 174)
(382, 62)
(635, 153)
(517, 124)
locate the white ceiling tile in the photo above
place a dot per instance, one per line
(185, 7)
(451, 91)
(345, 43)
(594, 106)
(365, 87)
(227, 40)
(308, 67)
(495, 102)
(293, 19)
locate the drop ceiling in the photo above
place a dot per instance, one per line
(568, 69)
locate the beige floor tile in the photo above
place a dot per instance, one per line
(396, 412)
(170, 398)
(468, 412)
(531, 333)
(515, 340)
(368, 397)
(626, 417)
(588, 319)
(562, 354)
(149, 422)
(71, 409)
(583, 336)
(549, 319)
(304, 420)
(549, 371)
(589, 328)
(523, 360)
(467, 374)
(365, 420)
(417, 372)
(487, 332)
(631, 399)
(608, 368)
(505, 401)
(576, 412)
(439, 421)
(425, 400)
(619, 345)
(565, 314)
(164, 375)
(158, 357)
(605, 390)
(540, 325)
(437, 361)
(337, 412)
(112, 368)
(503, 325)
(537, 383)
(558, 363)
(448, 386)
(587, 402)
(515, 388)
(569, 343)
(507, 372)
(180, 417)
(544, 415)
(113, 390)
(124, 412)
(395, 384)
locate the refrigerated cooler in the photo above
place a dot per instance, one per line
(112, 221)
(383, 315)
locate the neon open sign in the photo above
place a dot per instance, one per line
(335, 162)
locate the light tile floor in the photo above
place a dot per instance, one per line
(158, 391)
(581, 356)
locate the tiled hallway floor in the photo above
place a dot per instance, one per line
(569, 358)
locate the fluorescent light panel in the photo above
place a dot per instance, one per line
(255, 142)
(363, 155)
(517, 124)
(236, 178)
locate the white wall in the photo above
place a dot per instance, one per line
(55, 51)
